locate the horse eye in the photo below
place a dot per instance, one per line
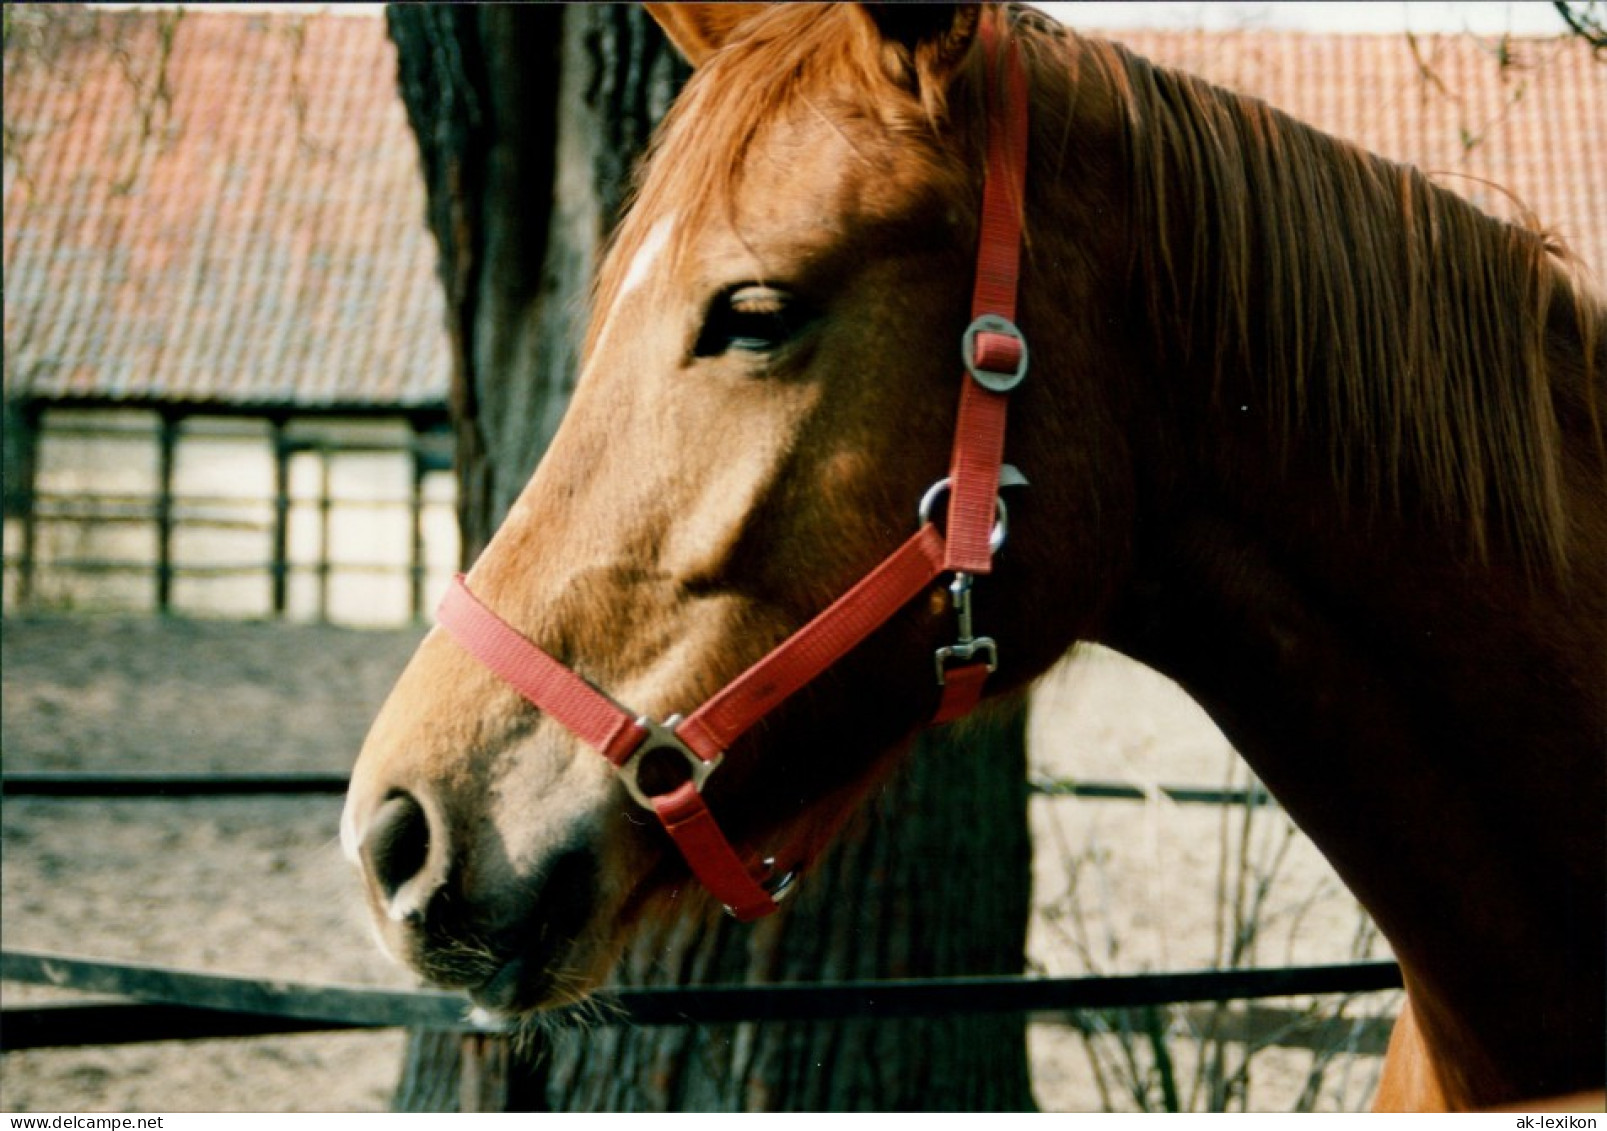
(752, 319)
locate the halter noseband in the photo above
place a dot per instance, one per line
(995, 358)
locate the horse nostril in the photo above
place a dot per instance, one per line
(397, 845)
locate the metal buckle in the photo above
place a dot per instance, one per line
(662, 736)
(967, 647)
(993, 379)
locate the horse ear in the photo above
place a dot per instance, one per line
(699, 30)
(930, 40)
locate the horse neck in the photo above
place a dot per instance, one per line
(1442, 753)
(1401, 685)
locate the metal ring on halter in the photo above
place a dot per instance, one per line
(782, 887)
(1001, 513)
(779, 889)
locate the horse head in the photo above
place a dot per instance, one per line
(770, 385)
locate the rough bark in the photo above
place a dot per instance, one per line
(934, 882)
(529, 120)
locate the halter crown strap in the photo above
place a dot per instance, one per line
(995, 352)
(995, 359)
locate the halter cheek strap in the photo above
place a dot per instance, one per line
(994, 354)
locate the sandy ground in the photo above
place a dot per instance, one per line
(258, 886)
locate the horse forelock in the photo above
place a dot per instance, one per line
(816, 58)
(1366, 305)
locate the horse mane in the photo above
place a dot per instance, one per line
(1367, 306)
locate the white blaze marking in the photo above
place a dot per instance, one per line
(641, 266)
(646, 255)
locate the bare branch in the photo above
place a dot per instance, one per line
(1587, 20)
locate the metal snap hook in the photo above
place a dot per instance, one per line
(967, 645)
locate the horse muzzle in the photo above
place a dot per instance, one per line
(515, 925)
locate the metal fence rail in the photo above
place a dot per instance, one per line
(50, 783)
(97, 1024)
(163, 783)
(289, 1006)
(156, 1003)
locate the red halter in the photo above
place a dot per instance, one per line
(995, 357)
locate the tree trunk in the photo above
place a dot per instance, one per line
(529, 119)
(934, 882)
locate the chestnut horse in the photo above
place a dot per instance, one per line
(1310, 435)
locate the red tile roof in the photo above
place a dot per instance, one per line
(261, 242)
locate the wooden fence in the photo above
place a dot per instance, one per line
(165, 510)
